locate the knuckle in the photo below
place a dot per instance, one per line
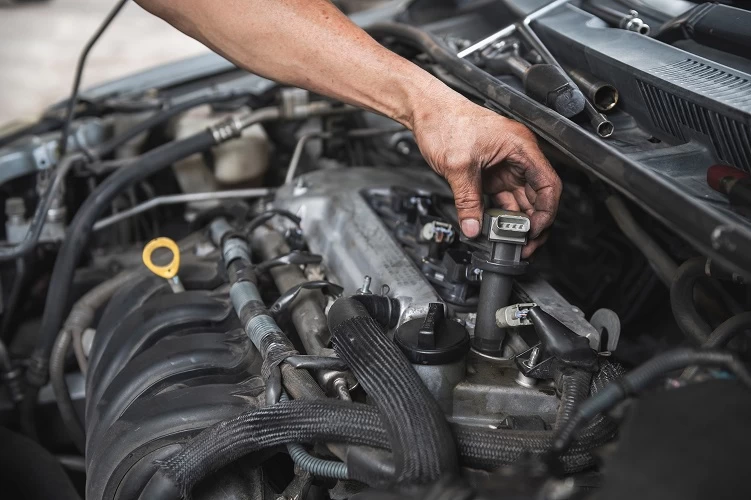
(465, 202)
(522, 132)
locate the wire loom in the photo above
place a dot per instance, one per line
(304, 421)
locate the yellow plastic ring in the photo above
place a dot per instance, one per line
(168, 271)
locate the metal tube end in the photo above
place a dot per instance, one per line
(605, 97)
(603, 127)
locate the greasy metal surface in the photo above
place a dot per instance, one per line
(441, 381)
(36, 153)
(307, 311)
(490, 393)
(340, 225)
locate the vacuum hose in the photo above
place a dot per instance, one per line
(728, 330)
(682, 300)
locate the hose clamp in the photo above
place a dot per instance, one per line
(235, 248)
(226, 130)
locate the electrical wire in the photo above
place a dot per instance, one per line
(63, 145)
(264, 217)
(639, 379)
(13, 298)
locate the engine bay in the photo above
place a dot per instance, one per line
(232, 289)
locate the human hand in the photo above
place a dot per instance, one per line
(476, 151)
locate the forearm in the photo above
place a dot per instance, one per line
(308, 44)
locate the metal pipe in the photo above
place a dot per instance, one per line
(602, 125)
(508, 30)
(517, 65)
(175, 199)
(307, 312)
(603, 95)
(294, 162)
(297, 153)
(627, 21)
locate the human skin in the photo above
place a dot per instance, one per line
(312, 45)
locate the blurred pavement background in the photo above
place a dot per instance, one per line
(40, 44)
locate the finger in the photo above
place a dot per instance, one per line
(534, 244)
(545, 210)
(547, 187)
(506, 201)
(466, 185)
(526, 205)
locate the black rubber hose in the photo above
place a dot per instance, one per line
(77, 237)
(158, 118)
(32, 469)
(682, 300)
(721, 336)
(62, 394)
(420, 436)
(727, 330)
(640, 378)
(13, 300)
(574, 390)
(330, 420)
(721, 27)
(300, 421)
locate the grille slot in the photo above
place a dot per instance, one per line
(731, 139)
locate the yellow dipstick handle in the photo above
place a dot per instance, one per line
(169, 271)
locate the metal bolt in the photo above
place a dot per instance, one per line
(402, 147)
(366, 285)
(522, 379)
(533, 356)
(15, 210)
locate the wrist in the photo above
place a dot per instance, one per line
(416, 95)
(432, 100)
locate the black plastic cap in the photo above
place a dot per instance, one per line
(432, 340)
(548, 84)
(560, 342)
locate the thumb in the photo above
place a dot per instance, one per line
(466, 184)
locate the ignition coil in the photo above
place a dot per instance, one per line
(498, 255)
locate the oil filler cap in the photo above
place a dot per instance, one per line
(433, 339)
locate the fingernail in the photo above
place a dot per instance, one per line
(470, 227)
